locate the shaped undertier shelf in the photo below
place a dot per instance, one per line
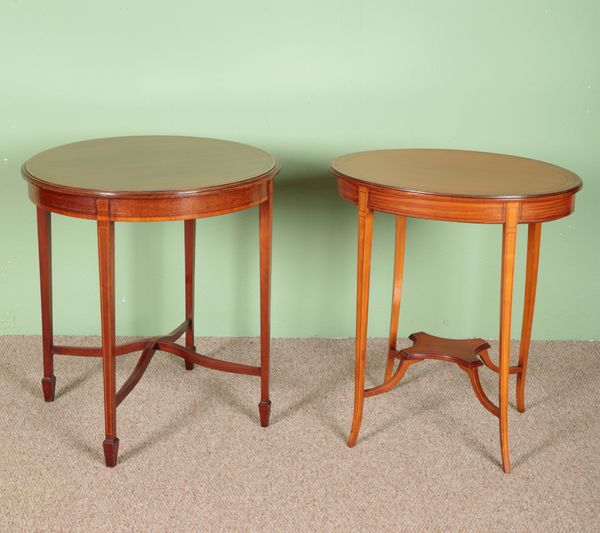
(463, 352)
(468, 354)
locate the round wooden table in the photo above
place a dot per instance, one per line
(142, 179)
(458, 186)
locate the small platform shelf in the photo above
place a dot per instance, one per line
(468, 354)
(463, 352)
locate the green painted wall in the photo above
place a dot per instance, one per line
(307, 81)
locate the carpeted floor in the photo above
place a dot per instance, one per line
(193, 456)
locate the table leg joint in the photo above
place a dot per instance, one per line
(487, 361)
(137, 372)
(393, 381)
(204, 360)
(123, 349)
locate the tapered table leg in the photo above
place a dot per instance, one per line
(265, 222)
(533, 255)
(106, 259)
(365, 234)
(190, 260)
(396, 293)
(509, 240)
(45, 256)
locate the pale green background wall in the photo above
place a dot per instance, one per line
(307, 81)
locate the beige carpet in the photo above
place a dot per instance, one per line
(193, 456)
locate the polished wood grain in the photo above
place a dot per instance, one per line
(533, 255)
(137, 373)
(463, 352)
(467, 354)
(458, 209)
(94, 351)
(509, 242)
(144, 179)
(365, 238)
(140, 208)
(473, 373)
(148, 164)
(44, 223)
(206, 361)
(399, 248)
(145, 358)
(394, 379)
(265, 216)
(150, 178)
(457, 173)
(106, 260)
(190, 266)
(487, 361)
(457, 186)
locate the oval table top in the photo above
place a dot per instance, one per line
(147, 164)
(459, 173)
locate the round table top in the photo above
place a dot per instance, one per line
(457, 173)
(148, 164)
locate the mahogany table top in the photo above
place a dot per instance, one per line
(456, 173)
(151, 164)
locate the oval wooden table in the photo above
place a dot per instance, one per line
(457, 186)
(142, 179)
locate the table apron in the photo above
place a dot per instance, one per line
(142, 208)
(458, 209)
